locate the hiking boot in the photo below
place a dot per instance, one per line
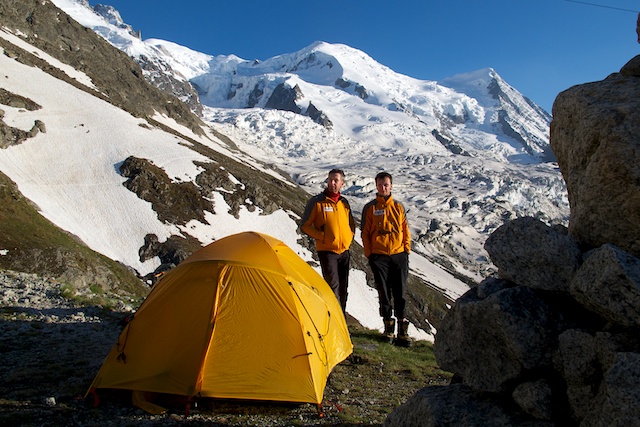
(403, 339)
(389, 330)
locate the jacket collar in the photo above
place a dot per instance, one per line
(384, 200)
(333, 196)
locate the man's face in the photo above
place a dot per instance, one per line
(384, 186)
(335, 182)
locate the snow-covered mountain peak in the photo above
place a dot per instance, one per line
(113, 17)
(319, 54)
(325, 55)
(474, 83)
(466, 152)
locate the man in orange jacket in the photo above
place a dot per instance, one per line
(327, 218)
(387, 243)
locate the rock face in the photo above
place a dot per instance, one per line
(554, 339)
(284, 97)
(594, 135)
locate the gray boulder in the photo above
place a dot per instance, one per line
(608, 283)
(535, 398)
(576, 359)
(609, 344)
(456, 405)
(506, 333)
(523, 356)
(530, 253)
(619, 397)
(594, 134)
(631, 68)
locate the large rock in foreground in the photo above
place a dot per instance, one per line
(507, 330)
(533, 254)
(560, 347)
(594, 135)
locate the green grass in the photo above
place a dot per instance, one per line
(378, 377)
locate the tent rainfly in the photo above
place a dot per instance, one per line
(242, 318)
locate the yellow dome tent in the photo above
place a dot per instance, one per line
(244, 317)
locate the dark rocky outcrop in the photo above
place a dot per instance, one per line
(255, 95)
(449, 143)
(357, 88)
(318, 116)
(170, 252)
(13, 136)
(14, 100)
(284, 97)
(174, 202)
(554, 340)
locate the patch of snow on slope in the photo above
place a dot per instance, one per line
(79, 76)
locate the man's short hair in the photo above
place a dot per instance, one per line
(383, 175)
(340, 171)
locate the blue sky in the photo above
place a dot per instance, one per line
(541, 47)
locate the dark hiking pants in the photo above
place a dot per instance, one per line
(335, 270)
(390, 273)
